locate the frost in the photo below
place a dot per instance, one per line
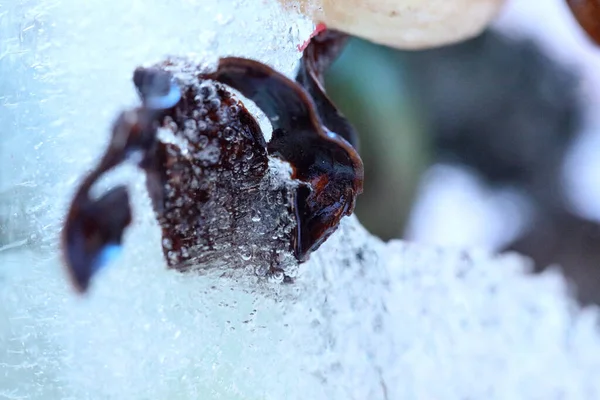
(364, 320)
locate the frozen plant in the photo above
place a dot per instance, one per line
(207, 170)
(363, 320)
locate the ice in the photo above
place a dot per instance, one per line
(223, 170)
(364, 319)
(70, 65)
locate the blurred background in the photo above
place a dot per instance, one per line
(487, 144)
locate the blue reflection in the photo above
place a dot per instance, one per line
(167, 101)
(108, 254)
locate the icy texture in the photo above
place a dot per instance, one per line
(226, 203)
(364, 320)
(70, 65)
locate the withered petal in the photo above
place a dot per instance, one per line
(321, 158)
(93, 232)
(587, 13)
(94, 228)
(201, 197)
(318, 56)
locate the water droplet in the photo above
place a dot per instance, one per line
(228, 133)
(202, 141)
(260, 270)
(224, 118)
(190, 124)
(210, 154)
(190, 130)
(206, 92)
(173, 256)
(215, 103)
(276, 277)
(245, 253)
(184, 252)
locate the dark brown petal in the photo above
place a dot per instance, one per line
(93, 229)
(204, 196)
(318, 56)
(587, 13)
(92, 235)
(321, 158)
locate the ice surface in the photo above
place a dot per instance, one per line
(70, 65)
(364, 320)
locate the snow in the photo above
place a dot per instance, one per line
(364, 320)
(493, 218)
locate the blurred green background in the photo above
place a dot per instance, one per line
(497, 107)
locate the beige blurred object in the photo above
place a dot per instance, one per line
(405, 24)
